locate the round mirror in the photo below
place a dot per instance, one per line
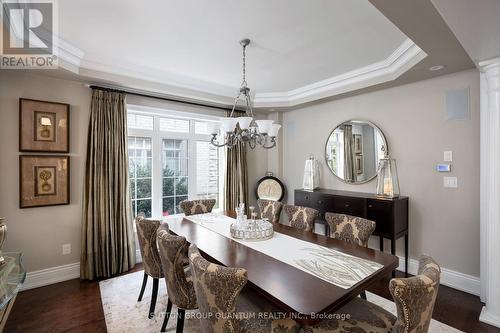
(353, 151)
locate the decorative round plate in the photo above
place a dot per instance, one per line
(270, 188)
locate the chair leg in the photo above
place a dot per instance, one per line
(144, 281)
(180, 321)
(363, 295)
(167, 316)
(154, 295)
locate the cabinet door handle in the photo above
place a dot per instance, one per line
(347, 205)
(370, 206)
(320, 201)
(307, 197)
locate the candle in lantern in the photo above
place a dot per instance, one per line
(387, 186)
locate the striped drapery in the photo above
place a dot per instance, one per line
(236, 177)
(108, 241)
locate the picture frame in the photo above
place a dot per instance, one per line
(43, 126)
(44, 180)
(358, 144)
(358, 164)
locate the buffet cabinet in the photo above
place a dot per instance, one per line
(389, 214)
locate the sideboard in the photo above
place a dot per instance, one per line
(389, 214)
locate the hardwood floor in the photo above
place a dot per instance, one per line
(75, 306)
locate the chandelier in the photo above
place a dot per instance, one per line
(244, 129)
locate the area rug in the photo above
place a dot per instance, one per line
(124, 314)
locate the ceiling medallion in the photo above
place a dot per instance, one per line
(244, 129)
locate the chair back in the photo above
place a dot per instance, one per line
(146, 232)
(217, 289)
(301, 217)
(351, 229)
(193, 207)
(415, 297)
(270, 209)
(173, 254)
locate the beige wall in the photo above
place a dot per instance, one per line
(443, 222)
(40, 232)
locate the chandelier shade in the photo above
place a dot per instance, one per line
(244, 129)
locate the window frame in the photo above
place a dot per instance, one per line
(157, 137)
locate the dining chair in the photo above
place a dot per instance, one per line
(301, 217)
(270, 209)
(146, 232)
(218, 290)
(414, 298)
(351, 229)
(180, 290)
(192, 207)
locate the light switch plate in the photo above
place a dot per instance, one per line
(448, 156)
(66, 249)
(450, 182)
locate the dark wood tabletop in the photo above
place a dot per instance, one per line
(289, 288)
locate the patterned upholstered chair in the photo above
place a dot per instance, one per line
(192, 207)
(301, 217)
(414, 298)
(351, 229)
(173, 253)
(146, 232)
(270, 209)
(218, 292)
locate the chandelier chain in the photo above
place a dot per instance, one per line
(244, 82)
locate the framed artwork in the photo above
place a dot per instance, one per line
(43, 180)
(358, 164)
(358, 144)
(43, 126)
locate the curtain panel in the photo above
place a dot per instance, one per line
(349, 171)
(108, 241)
(236, 177)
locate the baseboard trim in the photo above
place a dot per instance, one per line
(456, 280)
(51, 275)
(488, 318)
(48, 276)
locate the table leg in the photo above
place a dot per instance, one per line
(393, 252)
(406, 255)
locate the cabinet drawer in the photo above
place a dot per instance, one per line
(350, 206)
(303, 198)
(381, 211)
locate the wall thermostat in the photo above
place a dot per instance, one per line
(443, 168)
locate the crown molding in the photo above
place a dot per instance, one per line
(407, 55)
(135, 76)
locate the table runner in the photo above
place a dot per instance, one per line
(340, 269)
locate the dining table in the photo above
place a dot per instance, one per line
(301, 273)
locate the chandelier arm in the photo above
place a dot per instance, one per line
(273, 144)
(249, 104)
(234, 104)
(216, 143)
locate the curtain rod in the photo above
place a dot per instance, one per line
(128, 92)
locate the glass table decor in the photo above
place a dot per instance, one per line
(252, 230)
(12, 276)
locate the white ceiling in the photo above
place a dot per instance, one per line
(194, 44)
(475, 23)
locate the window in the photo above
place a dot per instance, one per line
(175, 162)
(171, 160)
(140, 174)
